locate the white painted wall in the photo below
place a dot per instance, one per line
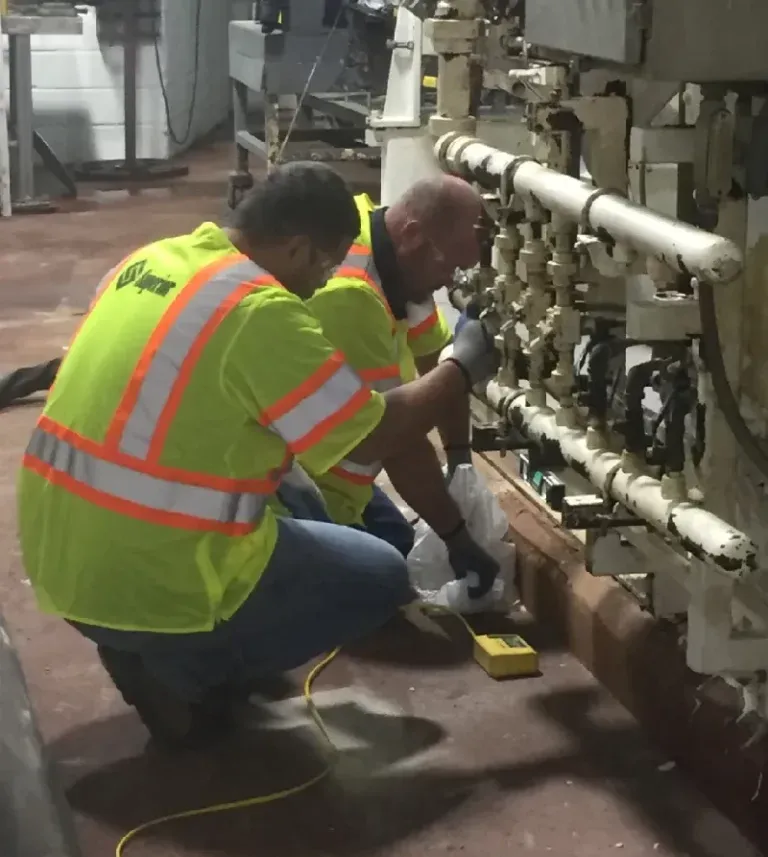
(78, 98)
(78, 84)
(213, 96)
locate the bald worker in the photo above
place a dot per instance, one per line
(379, 310)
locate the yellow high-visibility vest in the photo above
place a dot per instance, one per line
(356, 317)
(145, 496)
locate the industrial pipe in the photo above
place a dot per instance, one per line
(703, 534)
(684, 248)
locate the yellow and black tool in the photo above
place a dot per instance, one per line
(505, 655)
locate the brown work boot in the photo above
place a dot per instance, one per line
(171, 721)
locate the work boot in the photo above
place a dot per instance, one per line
(171, 721)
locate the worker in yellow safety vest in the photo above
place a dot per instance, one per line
(146, 496)
(379, 310)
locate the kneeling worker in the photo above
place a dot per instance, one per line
(378, 309)
(144, 499)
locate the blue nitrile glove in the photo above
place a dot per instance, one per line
(475, 353)
(466, 555)
(455, 456)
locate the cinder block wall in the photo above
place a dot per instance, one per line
(78, 83)
(213, 97)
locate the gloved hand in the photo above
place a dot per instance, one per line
(455, 456)
(466, 555)
(474, 352)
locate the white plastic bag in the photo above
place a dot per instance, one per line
(428, 564)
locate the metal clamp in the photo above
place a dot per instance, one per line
(593, 512)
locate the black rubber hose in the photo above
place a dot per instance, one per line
(676, 409)
(638, 380)
(27, 381)
(598, 398)
(713, 360)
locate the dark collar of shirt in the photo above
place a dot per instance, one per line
(385, 260)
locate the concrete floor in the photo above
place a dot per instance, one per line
(435, 756)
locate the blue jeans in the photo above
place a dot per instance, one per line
(384, 520)
(381, 517)
(325, 586)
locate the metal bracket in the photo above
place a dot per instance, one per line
(499, 437)
(593, 512)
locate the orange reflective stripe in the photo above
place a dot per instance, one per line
(167, 322)
(308, 386)
(421, 317)
(123, 474)
(329, 397)
(423, 327)
(358, 265)
(173, 474)
(316, 434)
(356, 474)
(380, 373)
(355, 273)
(382, 379)
(193, 355)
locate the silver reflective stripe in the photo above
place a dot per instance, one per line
(419, 313)
(364, 261)
(159, 495)
(319, 406)
(298, 478)
(164, 369)
(384, 384)
(366, 470)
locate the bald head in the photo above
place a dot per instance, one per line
(432, 227)
(438, 203)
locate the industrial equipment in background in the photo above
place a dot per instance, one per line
(19, 141)
(130, 25)
(312, 71)
(621, 149)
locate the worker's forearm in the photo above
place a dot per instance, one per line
(454, 425)
(417, 477)
(412, 411)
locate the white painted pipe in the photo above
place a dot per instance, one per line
(705, 535)
(683, 248)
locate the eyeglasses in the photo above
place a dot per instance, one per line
(324, 262)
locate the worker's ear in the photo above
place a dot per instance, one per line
(411, 236)
(297, 248)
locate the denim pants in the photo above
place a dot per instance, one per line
(381, 517)
(325, 586)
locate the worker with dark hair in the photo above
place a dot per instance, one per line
(146, 496)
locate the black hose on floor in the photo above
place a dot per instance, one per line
(27, 381)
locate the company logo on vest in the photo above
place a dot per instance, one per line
(142, 279)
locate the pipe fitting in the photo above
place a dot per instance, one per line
(722, 547)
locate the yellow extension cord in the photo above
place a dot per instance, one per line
(260, 800)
